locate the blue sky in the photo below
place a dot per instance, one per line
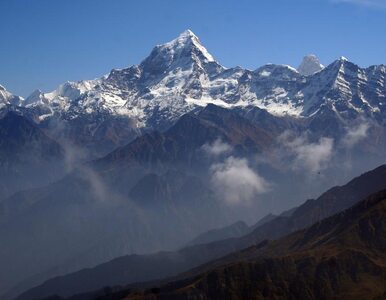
(46, 42)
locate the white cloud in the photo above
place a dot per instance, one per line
(356, 134)
(309, 156)
(218, 147)
(236, 182)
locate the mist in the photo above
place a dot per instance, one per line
(102, 209)
(308, 156)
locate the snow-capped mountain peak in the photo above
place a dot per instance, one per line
(180, 75)
(196, 42)
(310, 65)
(173, 72)
(8, 98)
(73, 90)
(37, 96)
(181, 53)
(188, 39)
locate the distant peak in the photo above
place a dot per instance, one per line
(310, 65)
(34, 97)
(8, 98)
(341, 61)
(37, 92)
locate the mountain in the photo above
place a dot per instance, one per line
(181, 76)
(89, 223)
(234, 230)
(165, 264)
(310, 65)
(7, 98)
(269, 218)
(181, 142)
(149, 95)
(172, 71)
(169, 141)
(28, 157)
(158, 176)
(342, 257)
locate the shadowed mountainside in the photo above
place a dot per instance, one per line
(159, 176)
(136, 268)
(28, 157)
(340, 257)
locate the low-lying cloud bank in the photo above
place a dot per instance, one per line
(307, 155)
(236, 182)
(300, 153)
(355, 134)
(218, 147)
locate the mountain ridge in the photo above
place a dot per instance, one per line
(24, 147)
(180, 76)
(170, 263)
(342, 256)
(184, 69)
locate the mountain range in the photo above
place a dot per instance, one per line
(150, 157)
(181, 75)
(140, 268)
(340, 257)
